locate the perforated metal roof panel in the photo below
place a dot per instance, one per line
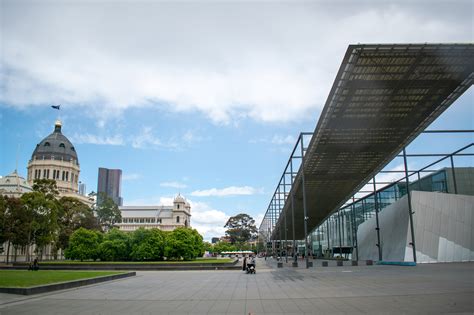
(382, 98)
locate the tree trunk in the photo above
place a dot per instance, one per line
(8, 251)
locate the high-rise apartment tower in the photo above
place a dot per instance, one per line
(110, 183)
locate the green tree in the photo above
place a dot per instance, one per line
(220, 247)
(107, 211)
(116, 246)
(19, 224)
(84, 244)
(208, 247)
(14, 222)
(73, 214)
(43, 226)
(181, 244)
(47, 187)
(4, 222)
(198, 243)
(241, 228)
(147, 244)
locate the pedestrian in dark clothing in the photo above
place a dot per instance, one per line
(244, 265)
(35, 264)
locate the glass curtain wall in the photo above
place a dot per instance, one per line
(337, 235)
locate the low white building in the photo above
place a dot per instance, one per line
(14, 185)
(165, 218)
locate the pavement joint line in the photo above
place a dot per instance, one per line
(264, 299)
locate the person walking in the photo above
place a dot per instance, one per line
(244, 265)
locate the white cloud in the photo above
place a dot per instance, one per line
(283, 140)
(145, 139)
(228, 191)
(272, 62)
(208, 221)
(276, 139)
(191, 137)
(131, 176)
(177, 185)
(87, 138)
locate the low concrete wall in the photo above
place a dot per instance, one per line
(125, 266)
(64, 285)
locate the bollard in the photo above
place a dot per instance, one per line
(325, 263)
(340, 263)
(369, 262)
(355, 263)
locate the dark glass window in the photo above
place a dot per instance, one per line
(177, 219)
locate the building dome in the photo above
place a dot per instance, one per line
(14, 185)
(179, 199)
(55, 147)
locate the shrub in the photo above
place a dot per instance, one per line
(181, 243)
(147, 244)
(115, 247)
(83, 245)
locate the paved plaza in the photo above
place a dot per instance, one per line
(434, 288)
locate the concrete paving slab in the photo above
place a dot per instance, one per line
(436, 288)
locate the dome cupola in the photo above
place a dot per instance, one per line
(55, 147)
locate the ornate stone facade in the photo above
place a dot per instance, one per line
(56, 158)
(165, 218)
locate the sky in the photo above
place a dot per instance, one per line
(202, 98)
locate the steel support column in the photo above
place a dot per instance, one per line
(376, 206)
(305, 212)
(338, 226)
(454, 176)
(410, 212)
(293, 212)
(354, 229)
(286, 234)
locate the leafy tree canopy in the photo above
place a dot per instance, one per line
(42, 223)
(147, 244)
(84, 244)
(241, 228)
(108, 212)
(220, 247)
(183, 243)
(73, 214)
(47, 187)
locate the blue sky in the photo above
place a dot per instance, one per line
(200, 98)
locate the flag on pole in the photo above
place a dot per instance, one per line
(56, 106)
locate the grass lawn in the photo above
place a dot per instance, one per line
(197, 261)
(23, 278)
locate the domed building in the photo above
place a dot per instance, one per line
(13, 185)
(56, 158)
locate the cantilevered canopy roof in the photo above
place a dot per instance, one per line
(382, 98)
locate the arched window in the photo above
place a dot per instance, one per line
(47, 144)
(72, 148)
(177, 219)
(62, 145)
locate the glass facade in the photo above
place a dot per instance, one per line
(338, 233)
